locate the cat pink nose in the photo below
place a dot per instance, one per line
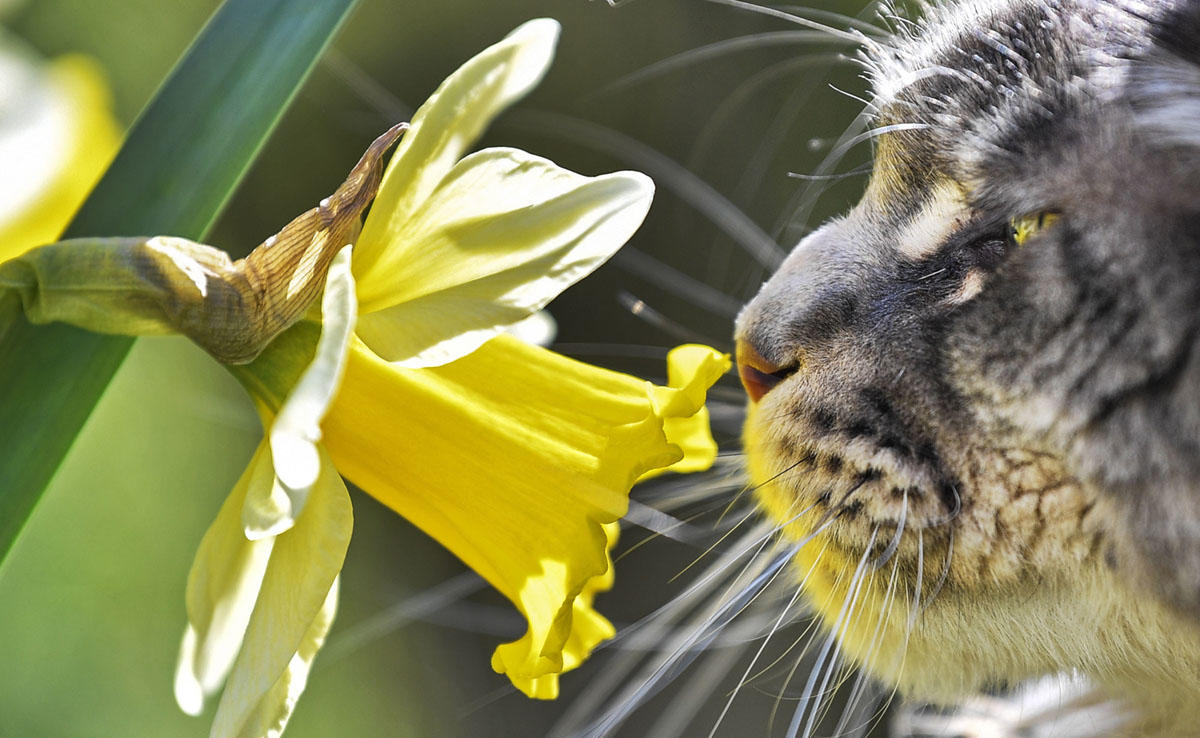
(758, 375)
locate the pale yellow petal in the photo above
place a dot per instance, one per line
(221, 591)
(300, 574)
(448, 124)
(513, 457)
(504, 234)
(68, 136)
(273, 711)
(296, 431)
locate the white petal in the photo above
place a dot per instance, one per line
(222, 588)
(296, 430)
(299, 577)
(503, 235)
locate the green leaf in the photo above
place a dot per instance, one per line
(179, 165)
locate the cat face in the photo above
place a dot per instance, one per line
(975, 405)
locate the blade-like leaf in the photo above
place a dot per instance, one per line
(180, 164)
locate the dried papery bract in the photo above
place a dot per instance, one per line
(162, 285)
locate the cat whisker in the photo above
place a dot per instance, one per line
(861, 681)
(682, 650)
(941, 580)
(823, 659)
(852, 36)
(677, 283)
(895, 542)
(584, 715)
(736, 101)
(392, 618)
(915, 610)
(666, 172)
(808, 637)
(704, 53)
(757, 654)
(949, 516)
(834, 17)
(661, 523)
(804, 637)
(644, 312)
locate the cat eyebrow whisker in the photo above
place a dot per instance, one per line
(854, 36)
(850, 95)
(713, 50)
(688, 186)
(864, 169)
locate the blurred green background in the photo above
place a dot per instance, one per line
(91, 600)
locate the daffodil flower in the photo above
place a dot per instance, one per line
(57, 134)
(515, 458)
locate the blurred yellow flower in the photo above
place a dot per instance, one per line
(517, 459)
(57, 135)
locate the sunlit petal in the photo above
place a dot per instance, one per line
(691, 369)
(588, 630)
(540, 328)
(300, 574)
(517, 229)
(448, 123)
(513, 457)
(271, 715)
(222, 588)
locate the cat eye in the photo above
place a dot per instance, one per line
(1022, 228)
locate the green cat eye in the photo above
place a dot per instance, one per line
(1020, 229)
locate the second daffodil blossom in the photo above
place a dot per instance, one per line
(515, 458)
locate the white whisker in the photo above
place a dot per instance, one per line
(847, 608)
(710, 51)
(665, 171)
(749, 667)
(895, 542)
(854, 36)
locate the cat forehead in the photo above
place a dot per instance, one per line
(983, 47)
(983, 57)
(973, 80)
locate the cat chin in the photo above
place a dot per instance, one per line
(966, 634)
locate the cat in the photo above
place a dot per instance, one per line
(975, 397)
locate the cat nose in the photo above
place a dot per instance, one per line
(758, 375)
